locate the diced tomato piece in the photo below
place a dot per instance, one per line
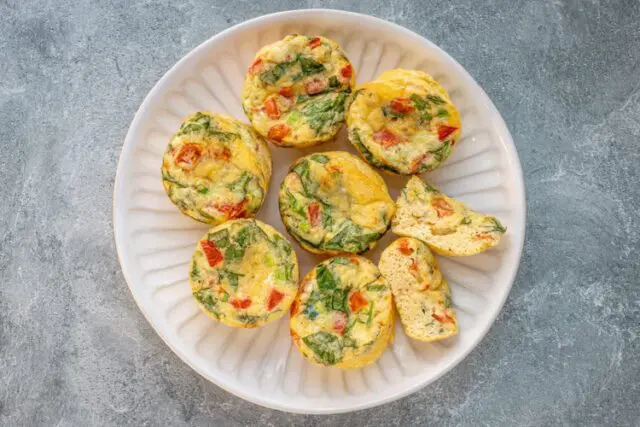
(233, 210)
(315, 42)
(221, 154)
(213, 254)
(443, 318)
(483, 236)
(442, 207)
(445, 131)
(346, 71)
(271, 108)
(241, 303)
(256, 67)
(357, 301)
(339, 322)
(314, 213)
(278, 132)
(404, 248)
(188, 155)
(401, 105)
(287, 92)
(413, 267)
(274, 299)
(386, 138)
(354, 260)
(294, 308)
(295, 337)
(415, 165)
(315, 86)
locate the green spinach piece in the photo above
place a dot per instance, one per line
(435, 99)
(248, 319)
(339, 300)
(167, 177)
(325, 113)
(351, 239)
(333, 81)
(341, 260)
(419, 102)
(320, 158)
(233, 253)
(303, 169)
(195, 272)
(442, 152)
(496, 227)
(205, 297)
(375, 288)
(275, 73)
(447, 301)
(325, 279)
(240, 184)
(310, 66)
(326, 346)
(220, 238)
(231, 276)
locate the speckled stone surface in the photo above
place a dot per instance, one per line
(75, 349)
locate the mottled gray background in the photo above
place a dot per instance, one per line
(75, 349)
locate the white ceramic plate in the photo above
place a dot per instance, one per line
(155, 242)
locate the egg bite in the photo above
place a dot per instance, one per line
(343, 314)
(244, 273)
(403, 122)
(422, 296)
(445, 224)
(216, 168)
(297, 89)
(334, 203)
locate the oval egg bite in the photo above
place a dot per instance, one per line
(403, 122)
(244, 273)
(333, 203)
(445, 224)
(343, 315)
(422, 296)
(297, 89)
(216, 168)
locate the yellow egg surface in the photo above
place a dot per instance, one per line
(296, 90)
(333, 203)
(445, 224)
(422, 296)
(216, 168)
(403, 122)
(343, 315)
(244, 273)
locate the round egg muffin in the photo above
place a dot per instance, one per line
(333, 203)
(403, 122)
(445, 224)
(421, 294)
(244, 273)
(297, 89)
(216, 168)
(343, 315)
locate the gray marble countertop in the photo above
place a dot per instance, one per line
(75, 349)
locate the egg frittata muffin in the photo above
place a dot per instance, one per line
(445, 224)
(421, 294)
(343, 315)
(244, 273)
(334, 203)
(297, 89)
(403, 122)
(216, 168)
